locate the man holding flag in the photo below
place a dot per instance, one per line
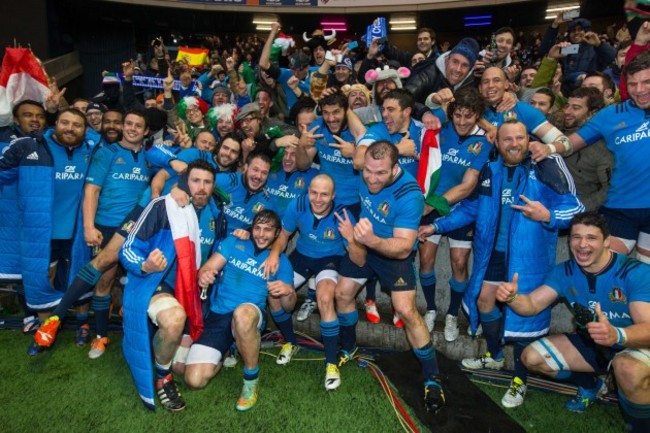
(162, 254)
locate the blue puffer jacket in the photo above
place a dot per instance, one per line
(531, 247)
(151, 231)
(28, 161)
(9, 214)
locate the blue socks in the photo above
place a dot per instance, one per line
(251, 374)
(348, 329)
(492, 332)
(329, 332)
(428, 283)
(636, 416)
(83, 283)
(456, 295)
(101, 306)
(427, 357)
(283, 321)
(520, 369)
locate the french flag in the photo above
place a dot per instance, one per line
(187, 241)
(22, 77)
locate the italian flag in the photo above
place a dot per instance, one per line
(187, 242)
(194, 56)
(22, 77)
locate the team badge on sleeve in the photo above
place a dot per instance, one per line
(128, 226)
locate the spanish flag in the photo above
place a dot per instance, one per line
(193, 56)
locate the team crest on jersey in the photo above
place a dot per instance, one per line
(128, 226)
(120, 160)
(509, 115)
(300, 183)
(384, 208)
(240, 247)
(475, 148)
(329, 234)
(147, 164)
(212, 225)
(617, 295)
(258, 207)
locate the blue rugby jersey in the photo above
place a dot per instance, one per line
(378, 131)
(242, 280)
(625, 129)
(70, 166)
(242, 206)
(123, 175)
(523, 112)
(458, 155)
(623, 281)
(398, 205)
(338, 167)
(284, 187)
(317, 237)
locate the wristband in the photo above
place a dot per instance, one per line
(622, 336)
(553, 148)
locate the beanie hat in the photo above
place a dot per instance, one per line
(468, 48)
(582, 22)
(190, 101)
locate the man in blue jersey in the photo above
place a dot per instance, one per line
(624, 127)
(464, 149)
(288, 183)
(518, 208)
(398, 128)
(238, 306)
(383, 244)
(609, 296)
(318, 252)
(49, 171)
(154, 260)
(117, 177)
(245, 194)
(493, 86)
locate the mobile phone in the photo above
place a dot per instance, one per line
(569, 15)
(352, 45)
(381, 41)
(571, 49)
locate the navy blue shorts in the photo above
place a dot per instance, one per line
(107, 234)
(129, 222)
(393, 274)
(496, 270)
(308, 266)
(164, 288)
(217, 332)
(627, 223)
(596, 356)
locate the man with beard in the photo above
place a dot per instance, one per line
(518, 208)
(591, 167)
(112, 126)
(426, 45)
(238, 311)
(288, 183)
(116, 180)
(222, 120)
(157, 254)
(358, 96)
(383, 244)
(49, 171)
(397, 127)
(610, 300)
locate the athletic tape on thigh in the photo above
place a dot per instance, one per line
(455, 243)
(434, 239)
(327, 274)
(201, 354)
(644, 241)
(181, 355)
(628, 243)
(161, 304)
(550, 354)
(642, 355)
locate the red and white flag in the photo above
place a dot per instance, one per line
(184, 226)
(22, 77)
